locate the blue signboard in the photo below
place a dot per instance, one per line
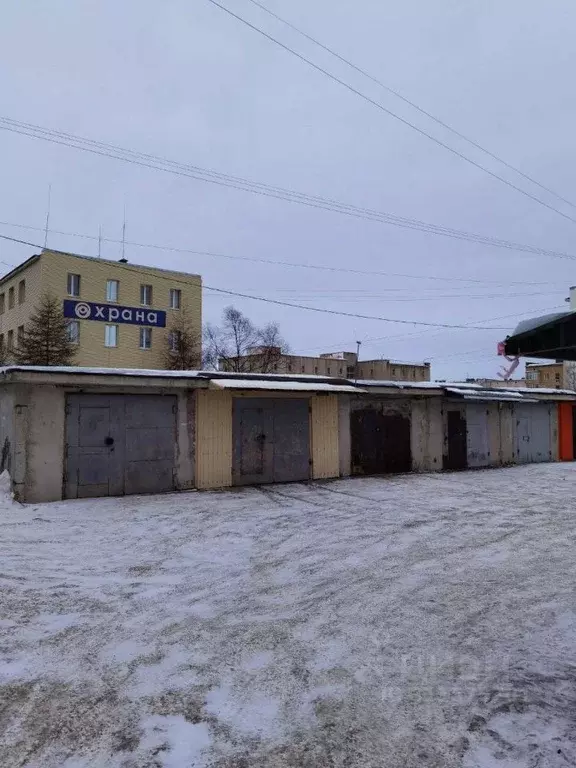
(112, 313)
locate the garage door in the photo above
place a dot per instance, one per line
(380, 441)
(271, 440)
(533, 433)
(119, 444)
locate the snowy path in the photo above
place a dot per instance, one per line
(409, 622)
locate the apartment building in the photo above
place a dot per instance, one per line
(339, 364)
(558, 374)
(497, 383)
(119, 313)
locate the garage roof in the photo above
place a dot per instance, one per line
(284, 386)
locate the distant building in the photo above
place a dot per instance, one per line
(559, 374)
(119, 313)
(339, 364)
(500, 383)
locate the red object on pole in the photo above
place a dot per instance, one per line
(501, 348)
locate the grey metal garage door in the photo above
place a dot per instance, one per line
(271, 440)
(119, 444)
(533, 442)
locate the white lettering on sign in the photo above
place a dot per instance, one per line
(152, 318)
(100, 312)
(139, 316)
(113, 313)
(127, 314)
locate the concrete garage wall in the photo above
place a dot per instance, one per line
(7, 427)
(507, 433)
(554, 441)
(185, 440)
(427, 435)
(38, 465)
(494, 434)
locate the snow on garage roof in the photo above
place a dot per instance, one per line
(495, 394)
(286, 386)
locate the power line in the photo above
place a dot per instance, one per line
(275, 262)
(278, 302)
(279, 193)
(412, 104)
(469, 326)
(381, 107)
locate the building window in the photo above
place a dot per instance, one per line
(145, 338)
(112, 288)
(289, 368)
(173, 339)
(175, 298)
(393, 371)
(73, 285)
(73, 331)
(371, 373)
(328, 370)
(19, 335)
(340, 371)
(21, 291)
(2, 303)
(111, 336)
(531, 375)
(316, 369)
(2, 349)
(10, 298)
(10, 341)
(146, 295)
(303, 368)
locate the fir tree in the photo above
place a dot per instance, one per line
(45, 339)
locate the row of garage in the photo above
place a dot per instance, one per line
(71, 433)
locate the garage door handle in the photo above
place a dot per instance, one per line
(109, 441)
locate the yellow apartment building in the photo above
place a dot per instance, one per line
(119, 313)
(338, 364)
(557, 374)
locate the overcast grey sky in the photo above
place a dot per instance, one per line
(184, 80)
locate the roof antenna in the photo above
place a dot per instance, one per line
(124, 260)
(47, 217)
(99, 241)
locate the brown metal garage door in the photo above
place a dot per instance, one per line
(271, 440)
(119, 444)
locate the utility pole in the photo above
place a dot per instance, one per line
(358, 345)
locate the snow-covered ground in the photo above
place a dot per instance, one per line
(408, 622)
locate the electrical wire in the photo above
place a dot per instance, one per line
(277, 302)
(274, 262)
(371, 339)
(279, 193)
(412, 104)
(381, 107)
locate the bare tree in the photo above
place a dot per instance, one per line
(240, 346)
(183, 350)
(569, 374)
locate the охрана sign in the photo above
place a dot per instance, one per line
(112, 313)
